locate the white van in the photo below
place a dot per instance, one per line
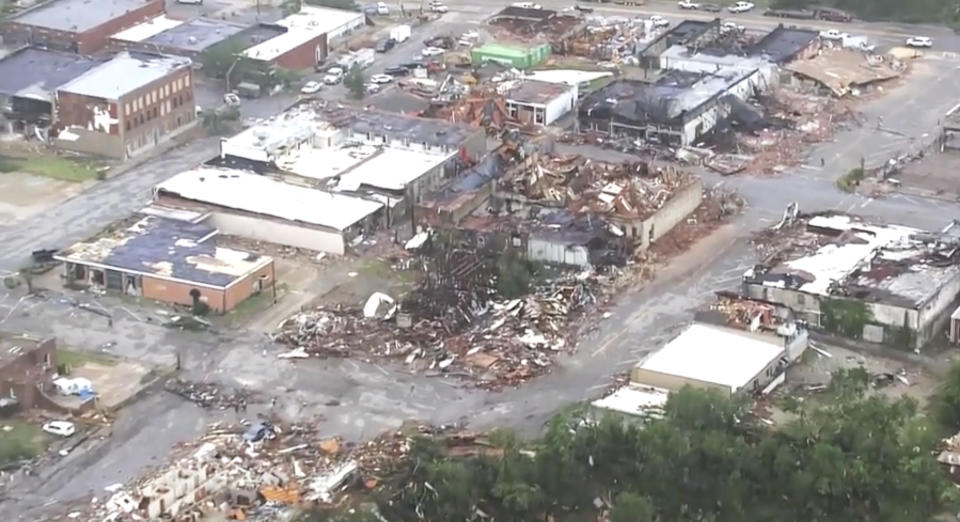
(382, 9)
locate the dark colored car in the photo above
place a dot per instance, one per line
(259, 431)
(397, 70)
(411, 65)
(384, 45)
(711, 8)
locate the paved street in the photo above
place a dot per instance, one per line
(359, 399)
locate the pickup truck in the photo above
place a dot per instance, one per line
(741, 7)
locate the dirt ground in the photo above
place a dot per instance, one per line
(935, 173)
(23, 195)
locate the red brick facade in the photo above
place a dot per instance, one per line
(24, 377)
(304, 56)
(85, 42)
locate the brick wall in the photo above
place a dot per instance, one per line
(305, 56)
(156, 110)
(95, 39)
(24, 374)
(87, 42)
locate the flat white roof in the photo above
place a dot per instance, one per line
(246, 191)
(635, 399)
(302, 27)
(151, 27)
(261, 141)
(568, 76)
(126, 72)
(358, 164)
(715, 355)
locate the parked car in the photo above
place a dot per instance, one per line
(585, 10)
(384, 44)
(919, 41)
(711, 8)
(833, 34)
(60, 428)
(381, 78)
(231, 99)
(190, 2)
(412, 65)
(382, 9)
(334, 76)
(259, 431)
(526, 5)
(730, 27)
(397, 70)
(659, 21)
(432, 51)
(741, 7)
(311, 87)
(372, 88)
(687, 4)
(438, 7)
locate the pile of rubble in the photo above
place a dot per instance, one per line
(497, 341)
(209, 395)
(261, 471)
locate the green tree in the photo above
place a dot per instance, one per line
(289, 7)
(221, 58)
(355, 82)
(630, 507)
(947, 401)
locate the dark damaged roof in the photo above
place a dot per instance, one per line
(166, 248)
(36, 73)
(783, 43)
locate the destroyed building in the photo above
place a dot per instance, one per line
(29, 79)
(688, 34)
(461, 196)
(27, 369)
(127, 105)
(676, 110)
(773, 320)
(168, 260)
(784, 44)
(842, 72)
(254, 206)
(540, 103)
(636, 202)
(879, 282)
(77, 26)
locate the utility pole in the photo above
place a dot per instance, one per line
(230, 71)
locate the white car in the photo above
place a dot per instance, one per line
(381, 78)
(372, 88)
(432, 51)
(659, 21)
(439, 8)
(231, 99)
(61, 428)
(741, 7)
(919, 41)
(526, 5)
(334, 76)
(833, 34)
(311, 87)
(687, 4)
(382, 9)
(730, 27)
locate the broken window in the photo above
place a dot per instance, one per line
(538, 116)
(96, 277)
(114, 280)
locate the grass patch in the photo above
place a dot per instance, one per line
(76, 359)
(55, 167)
(250, 307)
(23, 441)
